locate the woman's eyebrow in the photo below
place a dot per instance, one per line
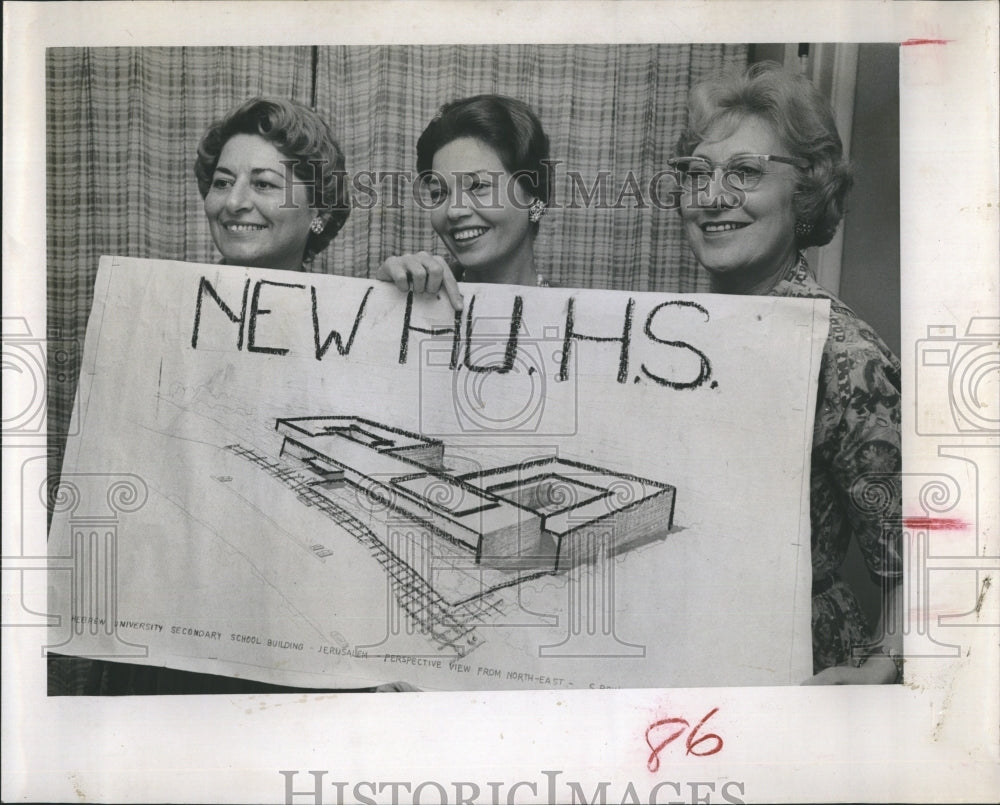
(256, 173)
(253, 171)
(484, 176)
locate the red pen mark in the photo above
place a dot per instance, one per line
(925, 42)
(653, 763)
(935, 523)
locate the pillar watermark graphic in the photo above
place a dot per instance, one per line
(591, 590)
(93, 505)
(82, 559)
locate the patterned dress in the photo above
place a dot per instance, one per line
(856, 486)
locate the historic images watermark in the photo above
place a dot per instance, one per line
(313, 788)
(666, 189)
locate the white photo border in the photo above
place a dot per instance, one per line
(934, 739)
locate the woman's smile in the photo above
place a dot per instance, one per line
(241, 229)
(722, 227)
(238, 227)
(466, 235)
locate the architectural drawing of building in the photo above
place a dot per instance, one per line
(544, 514)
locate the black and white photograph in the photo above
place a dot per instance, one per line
(480, 419)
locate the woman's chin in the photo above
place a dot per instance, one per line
(722, 269)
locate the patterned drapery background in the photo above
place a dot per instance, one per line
(123, 126)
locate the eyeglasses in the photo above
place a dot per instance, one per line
(741, 172)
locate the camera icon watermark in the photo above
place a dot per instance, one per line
(504, 381)
(34, 369)
(967, 369)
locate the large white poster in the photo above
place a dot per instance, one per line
(324, 482)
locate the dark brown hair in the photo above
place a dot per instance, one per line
(300, 134)
(509, 126)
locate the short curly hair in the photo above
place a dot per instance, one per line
(299, 133)
(803, 121)
(508, 126)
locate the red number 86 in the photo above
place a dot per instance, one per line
(653, 764)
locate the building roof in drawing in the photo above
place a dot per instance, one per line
(545, 496)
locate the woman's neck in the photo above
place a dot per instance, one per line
(518, 269)
(285, 264)
(753, 284)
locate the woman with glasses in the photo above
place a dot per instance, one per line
(764, 177)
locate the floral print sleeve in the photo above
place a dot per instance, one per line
(855, 486)
(858, 442)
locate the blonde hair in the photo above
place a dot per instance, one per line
(801, 118)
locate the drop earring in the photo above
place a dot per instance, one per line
(536, 210)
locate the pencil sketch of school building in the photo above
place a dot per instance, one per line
(540, 515)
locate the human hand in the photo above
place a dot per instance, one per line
(396, 687)
(878, 669)
(421, 273)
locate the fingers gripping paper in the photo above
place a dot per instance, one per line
(320, 481)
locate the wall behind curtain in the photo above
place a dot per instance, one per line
(123, 126)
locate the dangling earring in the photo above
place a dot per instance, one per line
(317, 225)
(803, 228)
(536, 210)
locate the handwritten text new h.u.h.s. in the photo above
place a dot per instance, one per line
(683, 366)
